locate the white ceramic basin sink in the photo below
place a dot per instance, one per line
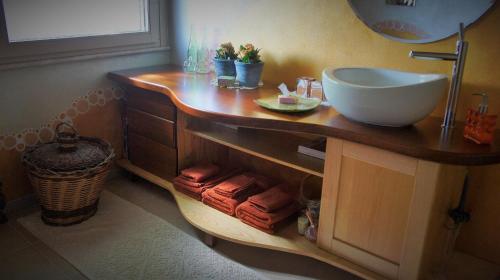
(382, 96)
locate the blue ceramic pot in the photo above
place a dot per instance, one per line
(224, 67)
(248, 74)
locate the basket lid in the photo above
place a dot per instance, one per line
(69, 153)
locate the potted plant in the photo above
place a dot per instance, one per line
(224, 60)
(249, 66)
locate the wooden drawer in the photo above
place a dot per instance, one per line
(152, 156)
(152, 127)
(154, 103)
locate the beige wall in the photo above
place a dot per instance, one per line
(302, 37)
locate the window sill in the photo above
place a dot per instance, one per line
(73, 58)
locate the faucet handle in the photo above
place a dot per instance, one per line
(461, 31)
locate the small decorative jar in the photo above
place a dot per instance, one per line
(311, 200)
(68, 175)
(302, 224)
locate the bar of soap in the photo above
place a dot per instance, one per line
(282, 99)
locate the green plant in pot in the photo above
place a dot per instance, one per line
(249, 66)
(224, 59)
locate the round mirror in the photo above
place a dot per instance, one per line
(418, 21)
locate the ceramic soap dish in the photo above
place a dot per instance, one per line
(302, 105)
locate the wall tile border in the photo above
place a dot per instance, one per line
(45, 133)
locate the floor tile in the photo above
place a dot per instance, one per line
(56, 260)
(28, 264)
(11, 241)
(153, 199)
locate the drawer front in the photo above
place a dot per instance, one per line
(154, 103)
(152, 127)
(152, 156)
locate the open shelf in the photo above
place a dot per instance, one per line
(229, 228)
(274, 146)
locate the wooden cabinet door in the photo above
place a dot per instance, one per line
(386, 211)
(368, 193)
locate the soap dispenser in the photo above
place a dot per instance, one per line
(479, 126)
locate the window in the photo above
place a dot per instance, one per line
(29, 20)
(34, 30)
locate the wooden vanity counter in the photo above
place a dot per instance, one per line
(385, 192)
(194, 95)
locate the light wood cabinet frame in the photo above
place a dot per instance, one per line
(423, 191)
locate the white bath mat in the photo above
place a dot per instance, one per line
(123, 241)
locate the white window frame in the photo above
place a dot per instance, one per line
(19, 54)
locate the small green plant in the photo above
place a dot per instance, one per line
(226, 51)
(249, 54)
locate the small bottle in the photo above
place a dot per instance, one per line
(302, 224)
(479, 126)
(190, 64)
(311, 232)
(203, 58)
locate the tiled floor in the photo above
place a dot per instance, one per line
(22, 256)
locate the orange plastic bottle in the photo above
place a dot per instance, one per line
(479, 126)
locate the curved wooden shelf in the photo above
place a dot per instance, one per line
(229, 228)
(268, 145)
(194, 95)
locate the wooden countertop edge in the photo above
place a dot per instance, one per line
(428, 154)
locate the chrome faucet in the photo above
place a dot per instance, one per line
(458, 70)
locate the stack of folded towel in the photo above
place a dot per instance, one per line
(197, 179)
(268, 210)
(227, 195)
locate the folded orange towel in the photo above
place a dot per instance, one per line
(181, 179)
(271, 229)
(195, 190)
(267, 222)
(190, 191)
(226, 204)
(234, 186)
(271, 200)
(200, 172)
(261, 181)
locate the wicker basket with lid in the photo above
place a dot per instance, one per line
(68, 175)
